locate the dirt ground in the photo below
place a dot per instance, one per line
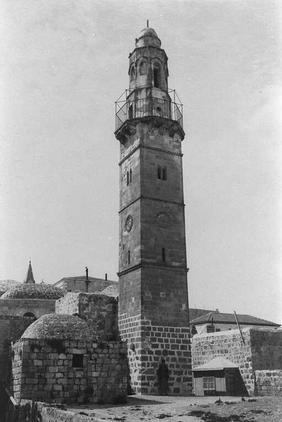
(189, 409)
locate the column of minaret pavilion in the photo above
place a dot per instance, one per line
(153, 300)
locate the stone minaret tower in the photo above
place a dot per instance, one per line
(153, 300)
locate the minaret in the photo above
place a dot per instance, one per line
(153, 299)
(29, 277)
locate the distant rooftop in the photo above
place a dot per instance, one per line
(226, 318)
(7, 284)
(33, 291)
(79, 284)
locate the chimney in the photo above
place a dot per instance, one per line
(86, 278)
(106, 276)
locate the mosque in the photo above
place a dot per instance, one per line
(75, 342)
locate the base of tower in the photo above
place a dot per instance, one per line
(147, 346)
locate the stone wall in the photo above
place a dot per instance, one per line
(147, 345)
(11, 328)
(18, 307)
(99, 311)
(30, 411)
(266, 347)
(260, 350)
(269, 383)
(69, 371)
(230, 345)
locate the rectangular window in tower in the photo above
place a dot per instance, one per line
(127, 177)
(163, 255)
(128, 257)
(162, 173)
(130, 176)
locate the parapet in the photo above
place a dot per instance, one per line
(99, 311)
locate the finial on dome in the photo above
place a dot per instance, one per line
(148, 37)
(29, 277)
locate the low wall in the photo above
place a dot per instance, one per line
(29, 411)
(269, 383)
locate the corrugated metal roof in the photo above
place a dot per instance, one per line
(216, 364)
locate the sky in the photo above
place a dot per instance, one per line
(63, 65)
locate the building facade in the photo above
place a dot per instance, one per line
(215, 321)
(153, 298)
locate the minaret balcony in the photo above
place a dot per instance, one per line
(130, 109)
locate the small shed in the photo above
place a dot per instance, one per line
(219, 376)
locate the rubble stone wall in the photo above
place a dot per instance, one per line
(269, 383)
(18, 307)
(69, 371)
(11, 328)
(259, 350)
(99, 311)
(230, 345)
(266, 347)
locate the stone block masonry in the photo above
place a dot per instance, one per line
(258, 350)
(11, 328)
(269, 383)
(99, 311)
(147, 345)
(69, 371)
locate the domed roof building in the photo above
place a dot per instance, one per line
(57, 326)
(29, 299)
(33, 291)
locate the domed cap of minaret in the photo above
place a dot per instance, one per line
(148, 37)
(29, 277)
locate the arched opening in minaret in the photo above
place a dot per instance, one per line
(130, 111)
(132, 73)
(142, 68)
(157, 76)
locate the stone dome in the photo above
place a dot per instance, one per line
(148, 37)
(33, 291)
(58, 326)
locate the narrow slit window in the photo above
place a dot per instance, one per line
(130, 112)
(157, 77)
(132, 73)
(159, 172)
(130, 176)
(163, 255)
(127, 177)
(128, 257)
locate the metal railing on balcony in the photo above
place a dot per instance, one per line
(127, 108)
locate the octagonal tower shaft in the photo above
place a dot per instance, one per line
(153, 300)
